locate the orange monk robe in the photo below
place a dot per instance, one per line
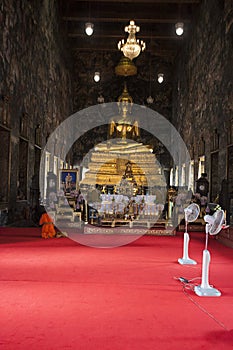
(48, 230)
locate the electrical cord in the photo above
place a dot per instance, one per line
(187, 285)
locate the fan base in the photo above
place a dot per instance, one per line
(186, 261)
(207, 292)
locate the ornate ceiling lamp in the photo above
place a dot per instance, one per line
(133, 46)
(125, 67)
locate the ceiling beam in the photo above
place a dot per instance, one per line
(155, 52)
(142, 1)
(125, 20)
(117, 36)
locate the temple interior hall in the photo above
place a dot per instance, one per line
(116, 131)
(138, 92)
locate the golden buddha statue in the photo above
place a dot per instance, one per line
(108, 164)
(124, 128)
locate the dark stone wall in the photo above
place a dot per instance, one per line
(35, 84)
(203, 89)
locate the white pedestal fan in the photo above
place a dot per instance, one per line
(213, 226)
(191, 214)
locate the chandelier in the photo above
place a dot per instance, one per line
(133, 46)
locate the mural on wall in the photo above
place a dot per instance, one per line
(111, 85)
(203, 94)
(35, 89)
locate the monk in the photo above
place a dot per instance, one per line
(48, 229)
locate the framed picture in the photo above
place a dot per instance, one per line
(68, 180)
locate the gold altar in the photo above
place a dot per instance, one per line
(109, 159)
(124, 184)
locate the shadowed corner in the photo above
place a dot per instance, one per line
(221, 336)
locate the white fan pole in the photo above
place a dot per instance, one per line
(205, 290)
(186, 259)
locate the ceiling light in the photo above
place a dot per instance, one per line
(133, 46)
(125, 67)
(89, 28)
(97, 77)
(179, 28)
(100, 99)
(149, 100)
(160, 78)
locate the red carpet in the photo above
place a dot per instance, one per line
(58, 294)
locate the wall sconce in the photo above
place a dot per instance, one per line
(160, 78)
(179, 28)
(89, 28)
(97, 77)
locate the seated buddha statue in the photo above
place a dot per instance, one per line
(123, 127)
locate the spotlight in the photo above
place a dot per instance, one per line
(89, 28)
(160, 78)
(97, 77)
(179, 28)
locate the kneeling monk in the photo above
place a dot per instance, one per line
(48, 229)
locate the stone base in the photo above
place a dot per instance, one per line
(193, 227)
(162, 232)
(125, 230)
